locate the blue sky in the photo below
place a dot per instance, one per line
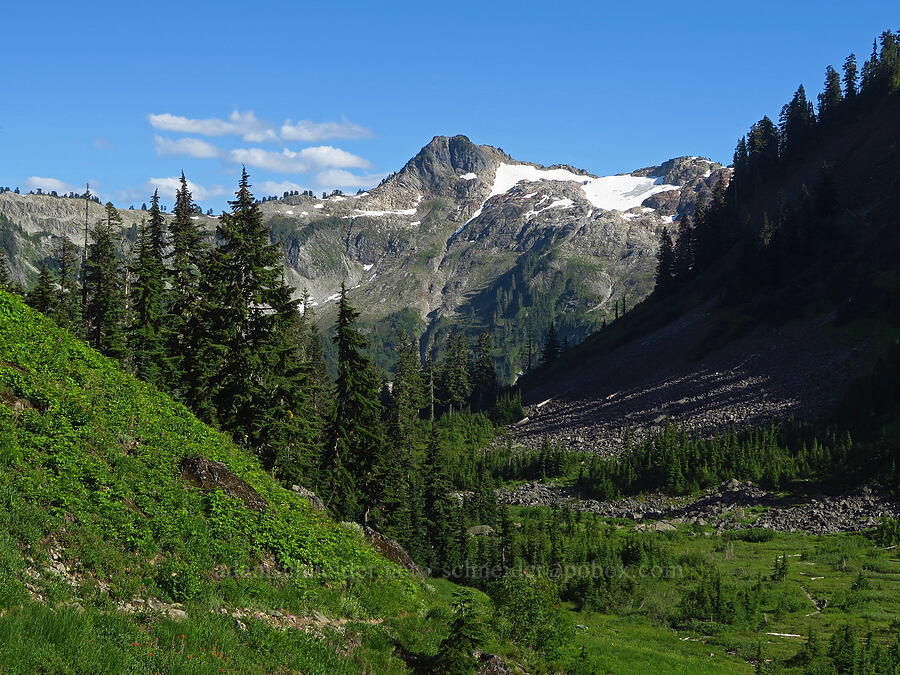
(325, 95)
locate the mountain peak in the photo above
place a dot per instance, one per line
(445, 156)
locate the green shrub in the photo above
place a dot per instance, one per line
(754, 535)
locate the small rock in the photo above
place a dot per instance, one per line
(309, 496)
(176, 614)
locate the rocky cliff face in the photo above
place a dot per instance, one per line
(447, 236)
(32, 226)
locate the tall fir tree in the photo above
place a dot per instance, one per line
(146, 338)
(831, 97)
(354, 437)
(309, 343)
(183, 331)
(440, 509)
(851, 75)
(888, 70)
(550, 352)
(453, 373)
(665, 264)
(484, 375)
(685, 249)
(293, 423)
(797, 122)
(104, 310)
(246, 314)
(68, 300)
(43, 296)
(399, 497)
(869, 72)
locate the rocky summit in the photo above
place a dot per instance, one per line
(459, 215)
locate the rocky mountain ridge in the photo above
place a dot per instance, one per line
(432, 242)
(439, 236)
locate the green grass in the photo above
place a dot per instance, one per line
(639, 628)
(640, 640)
(616, 644)
(89, 462)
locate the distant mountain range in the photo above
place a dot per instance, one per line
(463, 236)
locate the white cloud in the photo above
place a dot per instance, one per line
(254, 130)
(308, 159)
(339, 178)
(102, 143)
(271, 187)
(48, 184)
(169, 186)
(328, 156)
(285, 161)
(192, 147)
(308, 131)
(246, 125)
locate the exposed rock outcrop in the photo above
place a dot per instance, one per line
(311, 497)
(391, 550)
(726, 507)
(208, 475)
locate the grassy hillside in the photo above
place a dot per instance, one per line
(104, 545)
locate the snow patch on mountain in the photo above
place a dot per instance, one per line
(609, 193)
(402, 212)
(469, 176)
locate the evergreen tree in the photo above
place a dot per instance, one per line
(292, 426)
(797, 121)
(68, 300)
(247, 314)
(850, 77)
(484, 376)
(408, 392)
(185, 271)
(551, 346)
(741, 179)
(309, 345)
(763, 141)
(870, 69)
(439, 507)
(105, 307)
(43, 296)
(843, 649)
(398, 498)
(831, 96)
(146, 337)
(665, 264)
(685, 247)
(453, 370)
(456, 653)
(354, 438)
(888, 71)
